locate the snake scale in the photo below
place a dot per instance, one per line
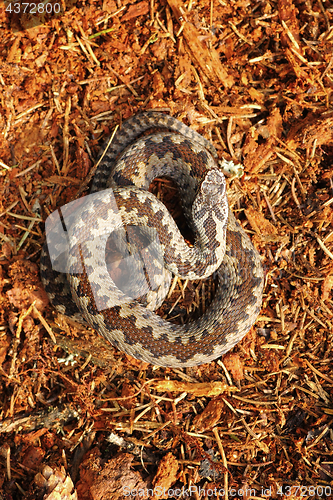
(122, 215)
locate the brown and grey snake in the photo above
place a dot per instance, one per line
(117, 295)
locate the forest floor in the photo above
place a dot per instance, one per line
(255, 78)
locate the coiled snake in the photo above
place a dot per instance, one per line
(147, 246)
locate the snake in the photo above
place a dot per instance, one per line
(109, 257)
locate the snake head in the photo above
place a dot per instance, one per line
(213, 187)
(211, 201)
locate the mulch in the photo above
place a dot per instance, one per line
(256, 79)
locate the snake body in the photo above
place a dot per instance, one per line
(120, 210)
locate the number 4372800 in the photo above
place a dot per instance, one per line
(305, 491)
(33, 8)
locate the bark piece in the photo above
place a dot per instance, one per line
(165, 477)
(207, 59)
(210, 416)
(113, 479)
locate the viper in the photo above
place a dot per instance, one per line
(117, 295)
